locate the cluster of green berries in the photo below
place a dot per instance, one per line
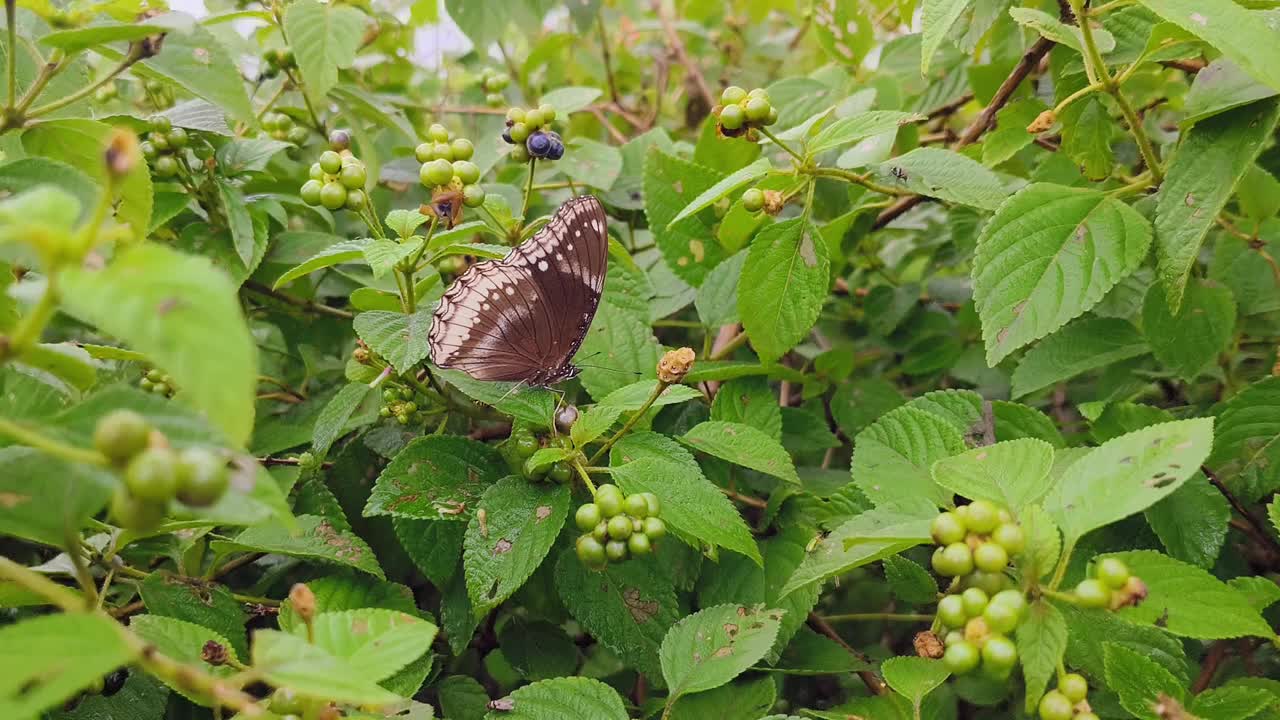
(281, 127)
(740, 111)
(162, 145)
(1068, 701)
(1111, 586)
(978, 536)
(518, 451)
(446, 165)
(159, 93)
(493, 82)
(337, 179)
(154, 473)
(530, 131)
(106, 686)
(276, 60)
(616, 526)
(106, 93)
(976, 630)
(404, 404)
(157, 381)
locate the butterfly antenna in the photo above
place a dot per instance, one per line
(509, 392)
(609, 369)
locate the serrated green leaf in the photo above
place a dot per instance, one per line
(1188, 601)
(726, 185)
(630, 398)
(1192, 522)
(521, 524)
(400, 339)
(249, 155)
(46, 497)
(437, 477)
(691, 504)
(947, 175)
(462, 697)
(622, 349)
(1087, 130)
(892, 458)
(844, 131)
(745, 699)
(60, 655)
(324, 38)
(183, 641)
(1087, 344)
(1042, 643)
(594, 164)
(713, 646)
(315, 538)
(749, 401)
(1043, 544)
(742, 445)
(868, 537)
(341, 252)
(198, 62)
(1010, 133)
(333, 419)
(349, 591)
(783, 286)
(909, 581)
(844, 31)
(1211, 158)
(1088, 631)
(1049, 254)
(914, 677)
(1054, 29)
(1139, 680)
(380, 642)
(532, 405)
(1245, 36)
(1012, 474)
(1190, 339)
(717, 298)
(1127, 475)
(1232, 702)
(203, 603)
(562, 699)
(290, 661)
(939, 16)
(383, 255)
(670, 184)
(537, 649)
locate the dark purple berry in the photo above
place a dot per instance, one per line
(538, 144)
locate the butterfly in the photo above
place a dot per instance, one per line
(522, 318)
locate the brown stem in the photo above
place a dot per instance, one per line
(1254, 521)
(677, 47)
(869, 678)
(1217, 653)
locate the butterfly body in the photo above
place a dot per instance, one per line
(522, 318)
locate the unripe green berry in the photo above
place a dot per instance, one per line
(999, 654)
(951, 611)
(443, 151)
(591, 552)
(166, 166)
(961, 658)
(1092, 594)
(1000, 618)
(437, 172)
(353, 176)
(519, 154)
(587, 517)
(330, 162)
(310, 192)
(533, 119)
(601, 532)
(772, 117)
(547, 112)
(515, 115)
(202, 477)
(732, 117)
(653, 503)
(620, 527)
(990, 557)
(161, 123)
(298, 135)
(758, 93)
(635, 506)
(333, 195)
(756, 109)
(153, 475)
(425, 152)
(134, 513)
(1112, 572)
(638, 544)
(560, 472)
(975, 601)
(654, 528)
(121, 434)
(494, 99)
(356, 200)
(732, 95)
(519, 132)
(438, 133)
(953, 637)
(753, 200)
(160, 141)
(526, 444)
(534, 472)
(616, 550)
(1012, 599)
(148, 149)
(982, 517)
(947, 528)
(473, 195)
(466, 171)
(1056, 706)
(1010, 537)
(178, 137)
(315, 172)
(1074, 686)
(990, 583)
(462, 149)
(954, 560)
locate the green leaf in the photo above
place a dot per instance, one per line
(1049, 254)
(437, 477)
(1192, 522)
(939, 16)
(621, 347)
(1211, 158)
(1127, 475)
(1190, 602)
(185, 316)
(349, 591)
(632, 397)
(462, 697)
(196, 61)
(203, 603)
(183, 641)
(251, 155)
(1246, 433)
(537, 649)
(400, 339)
(1091, 343)
(1089, 631)
(1054, 29)
(324, 37)
(713, 646)
(434, 547)
(1190, 339)
(627, 607)
(868, 537)
(379, 642)
(909, 581)
(239, 222)
(570, 99)
(334, 418)
(812, 654)
(861, 126)
(594, 164)
(1012, 474)
(315, 538)
(83, 38)
(717, 298)
(566, 698)
(1223, 86)
(843, 30)
(892, 458)
(1042, 643)
(742, 445)
(783, 286)
(749, 401)
(1010, 133)
(82, 145)
(914, 677)
(532, 405)
(726, 185)
(1232, 702)
(60, 655)
(290, 661)
(947, 175)
(405, 222)
(691, 505)
(43, 498)
(344, 251)
(670, 184)
(521, 524)
(1139, 680)
(1245, 36)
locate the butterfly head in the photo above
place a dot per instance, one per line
(555, 376)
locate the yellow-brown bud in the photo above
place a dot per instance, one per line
(675, 365)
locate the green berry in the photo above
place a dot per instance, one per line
(951, 611)
(533, 119)
(526, 445)
(1092, 594)
(1112, 572)
(753, 200)
(1012, 599)
(425, 152)
(1010, 537)
(160, 124)
(146, 385)
(954, 560)
(178, 137)
(620, 527)
(121, 434)
(616, 550)
(148, 149)
(561, 472)
(438, 172)
(498, 81)
(515, 115)
(355, 201)
(443, 151)
(134, 513)
(654, 528)
(732, 95)
(439, 133)
(310, 192)
(548, 113)
(331, 162)
(587, 517)
(333, 195)
(316, 172)
(953, 637)
(758, 93)
(756, 109)
(732, 117)
(772, 117)
(153, 475)
(162, 389)
(655, 505)
(961, 658)
(462, 149)
(1074, 686)
(473, 195)
(298, 135)
(591, 552)
(202, 477)
(166, 166)
(638, 544)
(285, 701)
(466, 171)
(155, 375)
(1000, 618)
(990, 557)
(999, 654)
(601, 531)
(975, 601)
(519, 132)
(1056, 706)
(494, 99)
(610, 500)
(339, 140)
(519, 154)
(636, 506)
(353, 176)
(990, 583)
(983, 517)
(947, 527)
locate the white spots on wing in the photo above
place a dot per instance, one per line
(484, 307)
(559, 257)
(542, 265)
(595, 225)
(569, 247)
(577, 233)
(511, 290)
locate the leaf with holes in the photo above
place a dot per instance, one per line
(511, 532)
(713, 646)
(400, 339)
(670, 185)
(565, 698)
(437, 477)
(378, 641)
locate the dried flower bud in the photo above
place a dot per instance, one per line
(122, 152)
(361, 355)
(1131, 595)
(1043, 121)
(675, 365)
(928, 645)
(773, 202)
(304, 601)
(214, 653)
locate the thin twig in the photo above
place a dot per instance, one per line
(677, 47)
(1263, 534)
(869, 678)
(298, 302)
